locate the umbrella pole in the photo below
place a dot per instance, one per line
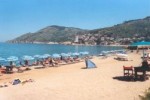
(143, 52)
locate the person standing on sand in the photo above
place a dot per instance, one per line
(86, 62)
(12, 65)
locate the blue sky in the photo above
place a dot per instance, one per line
(22, 16)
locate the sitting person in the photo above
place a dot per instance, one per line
(10, 68)
(76, 59)
(35, 63)
(145, 67)
(2, 69)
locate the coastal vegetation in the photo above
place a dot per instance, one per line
(146, 96)
(52, 33)
(120, 34)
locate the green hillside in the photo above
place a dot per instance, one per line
(139, 27)
(129, 29)
(50, 34)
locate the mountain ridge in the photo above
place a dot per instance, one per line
(49, 34)
(55, 33)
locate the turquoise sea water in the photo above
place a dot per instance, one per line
(19, 50)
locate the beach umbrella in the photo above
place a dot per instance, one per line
(40, 57)
(12, 58)
(75, 54)
(84, 53)
(36, 56)
(65, 55)
(44, 56)
(26, 57)
(141, 44)
(56, 55)
(69, 53)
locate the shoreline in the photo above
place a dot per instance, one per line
(68, 44)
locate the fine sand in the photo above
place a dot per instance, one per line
(73, 82)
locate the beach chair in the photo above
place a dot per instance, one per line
(2, 70)
(141, 73)
(9, 69)
(142, 69)
(128, 71)
(19, 69)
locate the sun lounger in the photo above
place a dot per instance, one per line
(9, 69)
(123, 57)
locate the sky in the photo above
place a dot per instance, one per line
(18, 17)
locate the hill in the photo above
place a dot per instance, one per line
(140, 27)
(52, 33)
(124, 33)
(121, 34)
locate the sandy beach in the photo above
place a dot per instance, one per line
(73, 82)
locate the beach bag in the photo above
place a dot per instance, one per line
(16, 81)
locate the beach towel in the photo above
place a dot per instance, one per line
(25, 81)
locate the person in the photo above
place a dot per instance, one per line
(36, 63)
(12, 65)
(18, 66)
(2, 70)
(42, 63)
(61, 57)
(86, 62)
(148, 56)
(26, 62)
(145, 67)
(52, 62)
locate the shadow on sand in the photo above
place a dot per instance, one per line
(130, 79)
(88, 68)
(123, 78)
(121, 59)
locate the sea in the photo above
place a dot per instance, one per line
(19, 50)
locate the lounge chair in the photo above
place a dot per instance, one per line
(144, 68)
(9, 69)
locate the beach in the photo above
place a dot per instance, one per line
(74, 82)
